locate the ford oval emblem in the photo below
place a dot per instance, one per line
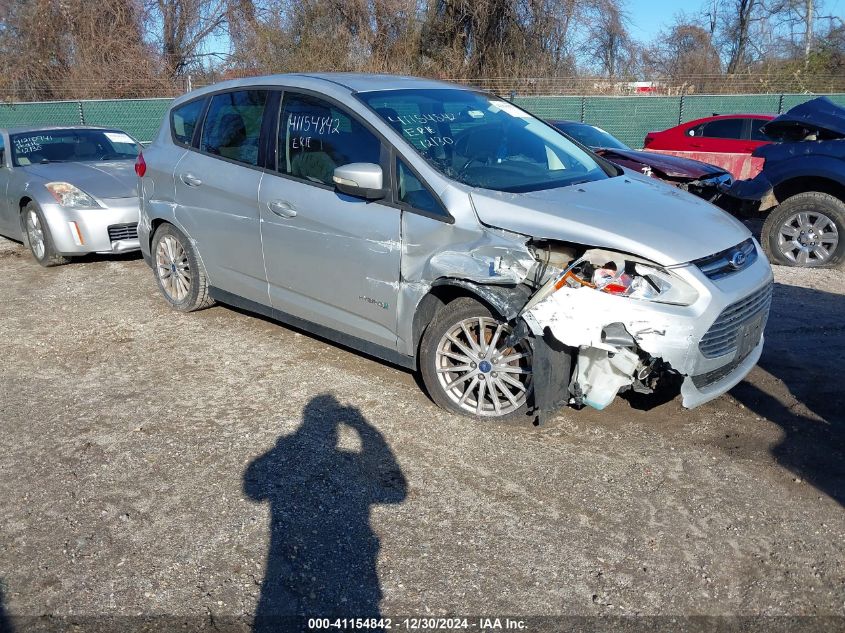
(738, 260)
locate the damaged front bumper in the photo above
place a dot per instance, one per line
(711, 344)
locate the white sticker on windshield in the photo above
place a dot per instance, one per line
(119, 137)
(475, 114)
(510, 108)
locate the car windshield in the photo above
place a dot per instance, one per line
(484, 141)
(590, 135)
(64, 146)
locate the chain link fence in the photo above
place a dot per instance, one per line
(628, 118)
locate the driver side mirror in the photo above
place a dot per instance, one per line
(362, 180)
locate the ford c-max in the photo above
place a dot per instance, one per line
(451, 232)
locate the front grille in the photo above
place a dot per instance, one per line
(123, 232)
(728, 261)
(722, 336)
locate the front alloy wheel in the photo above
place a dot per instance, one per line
(470, 365)
(35, 234)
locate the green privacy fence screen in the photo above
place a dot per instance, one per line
(628, 118)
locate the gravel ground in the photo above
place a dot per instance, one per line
(216, 465)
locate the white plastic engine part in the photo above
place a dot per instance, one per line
(601, 374)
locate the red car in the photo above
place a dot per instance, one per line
(727, 133)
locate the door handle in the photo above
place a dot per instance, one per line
(282, 209)
(189, 179)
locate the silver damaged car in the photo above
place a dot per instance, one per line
(68, 191)
(450, 232)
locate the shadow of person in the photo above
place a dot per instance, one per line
(323, 551)
(5, 621)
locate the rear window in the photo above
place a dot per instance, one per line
(183, 120)
(233, 125)
(722, 128)
(757, 134)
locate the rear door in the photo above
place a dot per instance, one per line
(331, 259)
(217, 192)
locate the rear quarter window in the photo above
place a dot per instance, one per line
(723, 128)
(183, 121)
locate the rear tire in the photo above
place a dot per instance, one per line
(806, 230)
(468, 368)
(37, 237)
(178, 270)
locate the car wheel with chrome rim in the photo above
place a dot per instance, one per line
(807, 230)
(37, 236)
(470, 366)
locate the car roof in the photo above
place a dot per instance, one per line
(49, 128)
(345, 82)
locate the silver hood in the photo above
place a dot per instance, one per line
(106, 179)
(626, 213)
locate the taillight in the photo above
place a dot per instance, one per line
(140, 165)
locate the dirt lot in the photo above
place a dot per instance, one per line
(155, 463)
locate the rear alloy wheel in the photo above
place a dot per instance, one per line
(469, 366)
(37, 237)
(807, 230)
(179, 273)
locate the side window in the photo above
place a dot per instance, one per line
(756, 133)
(724, 128)
(315, 137)
(412, 192)
(183, 120)
(696, 131)
(2, 152)
(233, 125)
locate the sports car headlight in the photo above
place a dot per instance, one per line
(71, 197)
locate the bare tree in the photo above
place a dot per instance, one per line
(73, 48)
(610, 41)
(179, 28)
(683, 50)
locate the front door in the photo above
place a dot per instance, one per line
(217, 194)
(331, 259)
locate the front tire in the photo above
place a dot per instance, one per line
(178, 270)
(806, 230)
(37, 237)
(468, 367)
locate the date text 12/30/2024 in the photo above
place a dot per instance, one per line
(418, 624)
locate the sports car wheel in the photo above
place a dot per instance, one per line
(37, 237)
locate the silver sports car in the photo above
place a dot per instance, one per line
(69, 191)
